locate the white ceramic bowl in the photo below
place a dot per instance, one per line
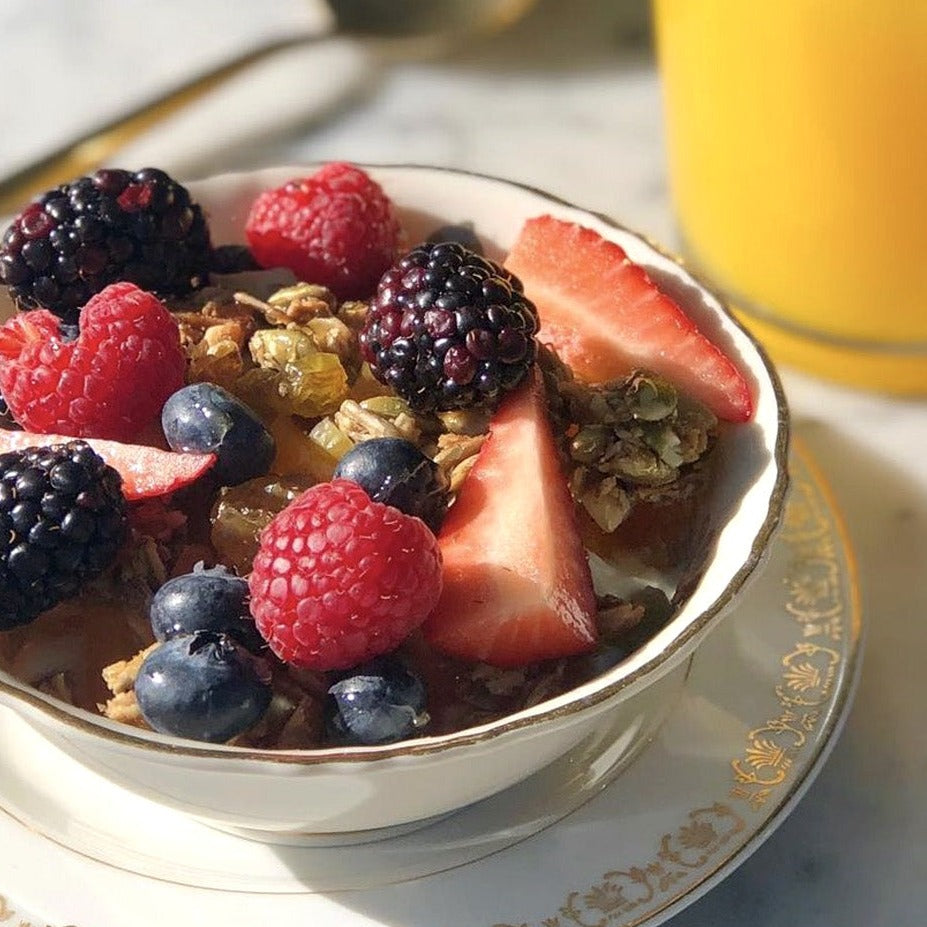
(290, 795)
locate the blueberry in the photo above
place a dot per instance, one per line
(462, 233)
(205, 418)
(376, 703)
(204, 600)
(202, 686)
(394, 471)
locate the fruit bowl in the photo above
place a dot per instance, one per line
(349, 793)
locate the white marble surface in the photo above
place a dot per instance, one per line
(568, 101)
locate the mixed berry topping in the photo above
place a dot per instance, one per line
(336, 227)
(355, 508)
(449, 329)
(113, 226)
(62, 521)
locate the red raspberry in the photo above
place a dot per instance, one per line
(336, 228)
(339, 579)
(108, 383)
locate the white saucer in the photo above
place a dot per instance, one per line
(760, 709)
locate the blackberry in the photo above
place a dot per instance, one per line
(114, 225)
(62, 521)
(449, 329)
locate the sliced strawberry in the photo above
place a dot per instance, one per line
(517, 586)
(145, 471)
(604, 316)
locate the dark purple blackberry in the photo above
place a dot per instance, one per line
(62, 521)
(73, 241)
(449, 329)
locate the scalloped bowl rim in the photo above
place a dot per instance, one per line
(658, 655)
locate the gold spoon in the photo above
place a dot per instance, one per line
(413, 25)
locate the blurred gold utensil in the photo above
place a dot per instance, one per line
(406, 26)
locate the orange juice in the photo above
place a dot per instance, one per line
(797, 142)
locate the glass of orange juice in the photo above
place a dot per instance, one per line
(797, 145)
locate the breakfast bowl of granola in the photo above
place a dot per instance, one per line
(335, 499)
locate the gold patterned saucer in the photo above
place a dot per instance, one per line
(760, 709)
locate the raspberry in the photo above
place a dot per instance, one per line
(336, 228)
(73, 241)
(110, 382)
(340, 579)
(449, 329)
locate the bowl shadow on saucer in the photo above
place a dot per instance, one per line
(410, 855)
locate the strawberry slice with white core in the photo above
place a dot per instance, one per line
(146, 471)
(605, 317)
(517, 586)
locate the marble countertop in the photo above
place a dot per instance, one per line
(568, 101)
